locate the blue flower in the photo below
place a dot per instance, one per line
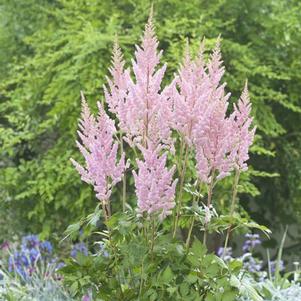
(46, 247)
(228, 253)
(252, 265)
(32, 252)
(251, 242)
(60, 265)
(34, 255)
(18, 263)
(30, 241)
(79, 248)
(273, 265)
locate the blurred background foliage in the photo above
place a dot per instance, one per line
(50, 50)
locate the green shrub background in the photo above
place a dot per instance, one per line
(50, 50)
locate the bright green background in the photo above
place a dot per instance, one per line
(50, 50)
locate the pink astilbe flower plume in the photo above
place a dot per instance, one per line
(118, 86)
(155, 188)
(100, 152)
(200, 106)
(215, 66)
(144, 111)
(244, 134)
(191, 98)
(214, 142)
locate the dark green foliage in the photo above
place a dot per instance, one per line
(50, 50)
(141, 263)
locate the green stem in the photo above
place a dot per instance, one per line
(232, 210)
(183, 171)
(107, 214)
(123, 179)
(209, 199)
(153, 237)
(193, 219)
(141, 281)
(189, 233)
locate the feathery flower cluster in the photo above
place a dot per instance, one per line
(200, 115)
(144, 111)
(154, 186)
(195, 104)
(213, 142)
(243, 134)
(99, 151)
(191, 97)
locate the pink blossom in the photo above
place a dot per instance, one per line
(200, 107)
(118, 86)
(190, 94)
(214, 142)
(242, 123)
(215, 66)
(99, 151)
(144, 111)
(154, 186)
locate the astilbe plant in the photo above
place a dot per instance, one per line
(191, 111)
(99, 150)
(154, 186)
(143, 110)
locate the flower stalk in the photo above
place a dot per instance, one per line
(233, 204)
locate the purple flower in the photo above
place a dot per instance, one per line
(228, 253)
(60, 265)
(252, 265)
(30, 241)
(23, 262)
(4, 246)
(86, 298)
(18, 263)
(79, 248)
(34, 255)
(251, 242)
(273, 265)
(46, 247)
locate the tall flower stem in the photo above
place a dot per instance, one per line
(189, 233)
(123, 179)
(232, 210)
(192, 222)
(153, 230)
(209, 199)
(106, 212)
(183, 171)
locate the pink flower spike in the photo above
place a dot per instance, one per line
(154, 186)
(192, 98)
(100, 152)
(242, 123)
(213, 142)
(144, 111)
(117, 90)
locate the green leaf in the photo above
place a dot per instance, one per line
(210, 297)
(198, 249)
(229, 296)
(167, 275)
